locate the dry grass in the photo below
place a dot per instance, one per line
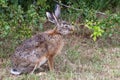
(81, 59)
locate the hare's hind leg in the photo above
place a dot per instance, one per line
(35, 67)
(39, 63)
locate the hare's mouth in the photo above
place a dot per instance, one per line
(15, 72)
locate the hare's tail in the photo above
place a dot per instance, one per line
(15, 72)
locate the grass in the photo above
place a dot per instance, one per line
(81, 59)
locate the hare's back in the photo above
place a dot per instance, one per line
(31, 49)
(31, 43)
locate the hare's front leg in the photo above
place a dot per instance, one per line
(51, 63)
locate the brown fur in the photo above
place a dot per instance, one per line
(46, 44)
(41, 48)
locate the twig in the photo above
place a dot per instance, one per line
(75, 8)
(66, 5)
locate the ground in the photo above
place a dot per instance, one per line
(81, 59)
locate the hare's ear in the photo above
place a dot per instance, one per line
(50, 17)
(57, 10)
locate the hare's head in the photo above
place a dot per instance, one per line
(62, 27)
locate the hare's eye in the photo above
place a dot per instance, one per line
(66, 26)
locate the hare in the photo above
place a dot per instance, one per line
(42, 47)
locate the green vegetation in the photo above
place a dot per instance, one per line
(92, 53)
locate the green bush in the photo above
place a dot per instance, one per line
(17, 25)
(96, 29)
(105, 27)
